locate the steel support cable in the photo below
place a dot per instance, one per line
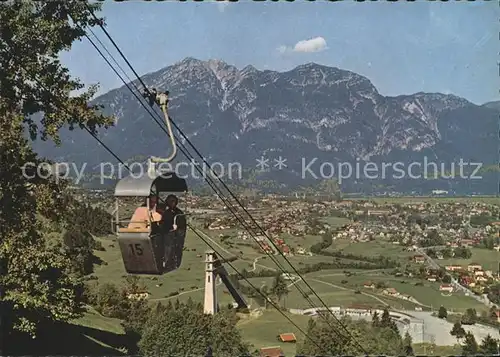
(234, 197)
(228, 204)
(311, 303)
(209, 181)
(274, 245)
(241, 221)
(190, 226)
(244, 223)
(253, 286)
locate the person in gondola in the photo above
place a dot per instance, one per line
(172, 217)
(142, 215)
(161, 207)
(172, 220)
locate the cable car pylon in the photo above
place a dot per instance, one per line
(214, 269)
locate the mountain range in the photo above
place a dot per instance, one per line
(311, 111)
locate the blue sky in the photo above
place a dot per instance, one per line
(401, 47)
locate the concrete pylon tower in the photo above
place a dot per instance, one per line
(210, 304)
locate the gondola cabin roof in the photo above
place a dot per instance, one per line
(141, 186)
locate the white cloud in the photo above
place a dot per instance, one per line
(316, 44)
(313, 45)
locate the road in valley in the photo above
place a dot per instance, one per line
(454, 282)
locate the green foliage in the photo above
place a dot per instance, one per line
(463, 252)
(433, 239)
(489, 242)
(374, 339)
(442, 313)
(107, 300)
(489, 346)
(469, 347)
(361, 261)
(408, 345)
(36, 279)
(33, 35)
(482, 220)
(184, 330)
(375, 319)
(387, 322)
(112, 301)
(457, 331)
(470, 317)
(136, 311)
(79, 246)
(447, 253)
(122, 303)
(89, 219)
(494, 294)
(83, 221)
(279, 287)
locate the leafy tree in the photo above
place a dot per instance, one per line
(493, 313)
(470, 317)
(470, 347)
(463, 252)
(375, 319)
(265, 291)
(494, 294)
(433, 239)
(108, 300)
(447, 253)
(442, 313)
(457, 331)
(279, 287)
(380, 285)
(386, 318)
(431, 253)
(183, 329)
(135, 312)
(407, 344)
(446, 279)
(36, 282)
(80, 248)
(375, 340)
(88, 219)
(112, 301)
(488, 242)
(387, 322)
(489, 346)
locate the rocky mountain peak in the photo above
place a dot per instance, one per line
(312, 110)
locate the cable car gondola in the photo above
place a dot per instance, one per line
(147, 247)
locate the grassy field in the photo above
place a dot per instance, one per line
(330, 295)
(99, 335)
(427, 295)
(91, 335)
(261, 330)
(374, 248)
(189, 276)
(335, 222)
(489, 259)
